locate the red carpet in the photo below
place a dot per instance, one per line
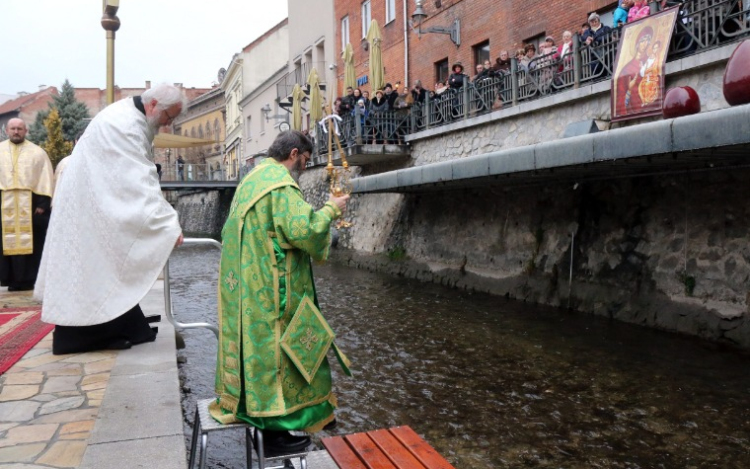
(20, 329)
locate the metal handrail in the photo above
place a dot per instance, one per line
(168, 290)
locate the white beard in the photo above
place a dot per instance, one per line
(153, 122)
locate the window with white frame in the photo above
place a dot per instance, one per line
(366, 17)
(390, 11)
(344, 32)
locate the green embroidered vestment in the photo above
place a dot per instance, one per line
(268, 242)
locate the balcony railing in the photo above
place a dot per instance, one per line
(298, 76)
(701, 25)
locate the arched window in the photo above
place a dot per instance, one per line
(200, 131)
(217, 130)
(209, 132)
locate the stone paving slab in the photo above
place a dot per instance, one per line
(55, 410)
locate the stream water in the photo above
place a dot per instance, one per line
(493, 383)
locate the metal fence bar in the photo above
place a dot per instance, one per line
(168, 310)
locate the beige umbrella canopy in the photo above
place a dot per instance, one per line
(179, 141)
(316, 101)
(350, 77)
(376, 60)
(297, 96)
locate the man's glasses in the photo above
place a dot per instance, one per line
(170, 117)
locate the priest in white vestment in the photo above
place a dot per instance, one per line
(111, 230)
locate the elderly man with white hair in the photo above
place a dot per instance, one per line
(112, 230)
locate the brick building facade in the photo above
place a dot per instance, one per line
(485, 24)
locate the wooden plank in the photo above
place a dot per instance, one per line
(369, 452)
(396, 452)
(425, 453)
(342, 453)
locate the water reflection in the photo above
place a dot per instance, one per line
(500, 384)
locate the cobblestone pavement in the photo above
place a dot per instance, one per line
(48, 403)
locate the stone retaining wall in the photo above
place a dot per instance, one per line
(204, 213)
(666, 252)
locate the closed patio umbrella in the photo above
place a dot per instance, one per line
(297, 96)
(316, 101)
(376, 60)
(350, 77)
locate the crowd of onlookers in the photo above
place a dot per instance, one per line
(528, 58)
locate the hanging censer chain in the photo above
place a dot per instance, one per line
(338, 177)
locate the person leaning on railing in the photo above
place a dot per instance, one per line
(593, 37)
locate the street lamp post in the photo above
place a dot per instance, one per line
(110, 23)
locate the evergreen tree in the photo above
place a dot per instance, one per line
(37, 130)
(55, 145)
(73, 113)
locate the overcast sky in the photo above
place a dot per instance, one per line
(175, 41)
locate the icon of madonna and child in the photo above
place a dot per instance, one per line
(638, 86)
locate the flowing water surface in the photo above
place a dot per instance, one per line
(492, 383)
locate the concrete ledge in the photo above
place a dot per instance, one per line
(638, 140)
(568, 151)
(161, 453)
(140, 420)
(716, 130)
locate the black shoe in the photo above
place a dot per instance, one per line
(22, 287)
(153, 318)
(283, 442)
(330, 425)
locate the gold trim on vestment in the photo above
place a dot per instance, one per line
(232, 380)
(229, 403)
(233, 347)
(233, 363)
(17, 229)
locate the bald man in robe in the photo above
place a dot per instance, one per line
(26, 185)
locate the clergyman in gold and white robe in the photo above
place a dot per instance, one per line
(26, 185)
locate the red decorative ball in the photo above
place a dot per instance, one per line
(680, 101)
(737, 76)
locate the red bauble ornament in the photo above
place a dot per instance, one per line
(680, 101)
(737, 76)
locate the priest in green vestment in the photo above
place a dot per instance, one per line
(272, 370)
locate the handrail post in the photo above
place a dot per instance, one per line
(428, 112)
(577, 68)
(465, 91)
(358, 124)
(413, 117)
(514, 80)
(168, 292)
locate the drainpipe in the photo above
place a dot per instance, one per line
(407, 83)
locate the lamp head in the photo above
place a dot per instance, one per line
(419, 15)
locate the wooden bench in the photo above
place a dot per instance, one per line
(394, 448)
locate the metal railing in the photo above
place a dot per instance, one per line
(199, 172)
(701, 25)
(298, 76)
(168, 309)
